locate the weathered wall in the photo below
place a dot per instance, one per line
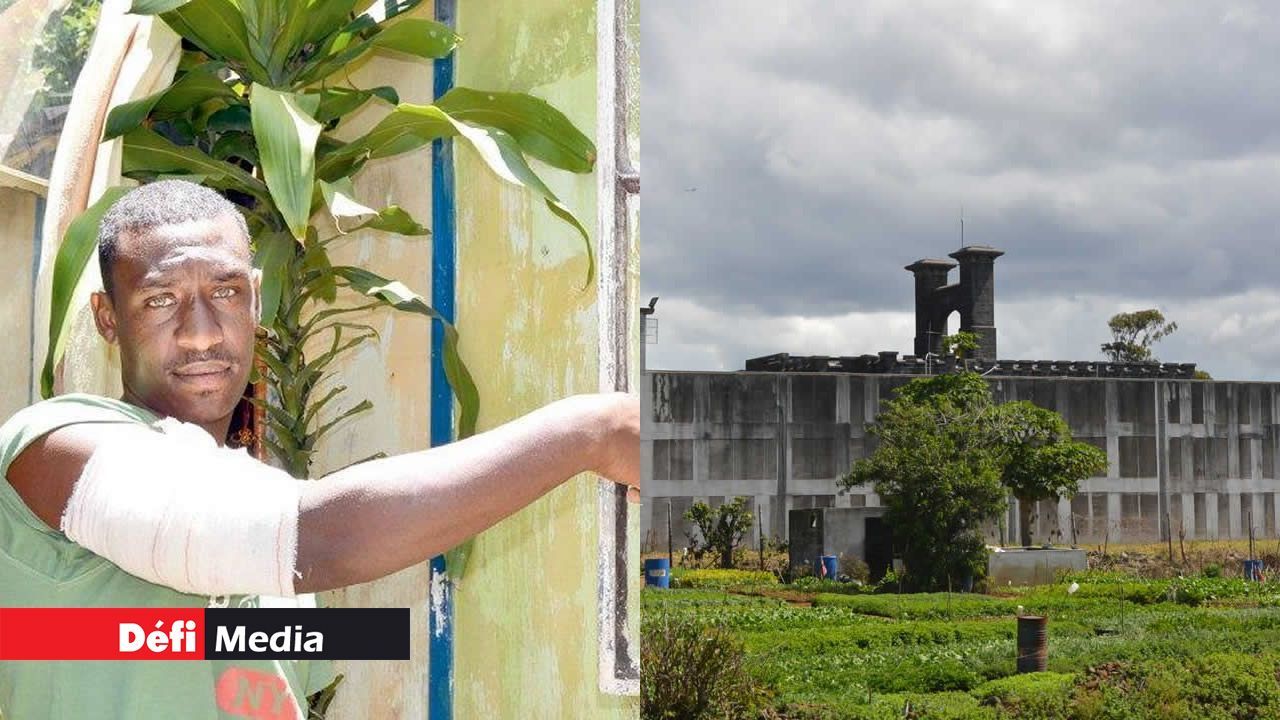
(18, 208)
(530, 334)
(1202, 451)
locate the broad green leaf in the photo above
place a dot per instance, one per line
(426, 39)
(455, 560)
(286, 136)
(235, 144)
(194, 87)
(262, 23)
(146, 153)
(406, 128)
(234, 118)
(400, 297)
(155, 7)
(502, 154)
(271, 255)
(420, 38)
(541, 130)
(321, 20)
(339, 196)
(216, 27)
(73, 255)
(338, 101)
(411, 126)
(395, 219)
(316, 260)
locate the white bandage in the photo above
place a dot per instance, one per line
(179, 511)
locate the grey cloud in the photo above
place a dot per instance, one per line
(1112, 149)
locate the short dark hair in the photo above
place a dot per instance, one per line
(164, 202)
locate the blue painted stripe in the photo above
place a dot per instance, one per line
(37, 245)
(443, 275)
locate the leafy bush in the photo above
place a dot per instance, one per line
(691, 671)
(1033, 695)
(1213, 570)
(681, 578)
(855, 568)
(720, 529)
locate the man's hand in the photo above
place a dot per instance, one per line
(619, 454)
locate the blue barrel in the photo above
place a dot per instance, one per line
(825, 568)
(1253, 570)
(657, 572)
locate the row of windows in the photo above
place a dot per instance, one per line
(818, 458)
(755, 399)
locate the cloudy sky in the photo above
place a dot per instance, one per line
(798, 154)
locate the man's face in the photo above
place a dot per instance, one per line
(184, 309)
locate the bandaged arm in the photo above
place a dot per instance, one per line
(215, 521)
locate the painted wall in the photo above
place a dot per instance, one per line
(526, 627)
(1204, 452)
(530, 332)
(18, 207)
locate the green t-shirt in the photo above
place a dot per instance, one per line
(40, 567)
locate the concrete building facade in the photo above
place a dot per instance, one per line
(1186, 456)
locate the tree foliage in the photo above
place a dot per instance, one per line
(937, 471)
(1042, 462)
(1133, 334)
(63, 46)
(947, 457)
(962, 344)
(721, 529)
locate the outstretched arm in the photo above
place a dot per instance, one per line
(358, 524)
(375, 518)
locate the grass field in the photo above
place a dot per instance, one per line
(1121, 646)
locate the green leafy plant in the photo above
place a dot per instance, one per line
(721, 529)
(259, 91)
(962, 344)
(1133, 334)
(1042, 462)
(937, 471)
(694, 672)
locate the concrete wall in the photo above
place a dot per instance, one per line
(1204, 452)
(831, 531)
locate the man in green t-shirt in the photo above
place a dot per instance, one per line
(181, 300)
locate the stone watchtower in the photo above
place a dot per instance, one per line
(974, 297)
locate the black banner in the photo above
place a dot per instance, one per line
(301, 633)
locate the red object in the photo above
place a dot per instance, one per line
(101, 633)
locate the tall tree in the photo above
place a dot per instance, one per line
(937, 470)
(1041, 461)
(947, 458)
(1133, 334)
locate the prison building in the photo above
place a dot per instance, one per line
(1185, 456)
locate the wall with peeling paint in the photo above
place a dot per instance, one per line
(526, 628)
(530, 334)
(18, 207)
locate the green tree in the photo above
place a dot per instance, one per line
(1041, 461)
(1133, 334)
(962, 344)
(937, 469)
(63, 46)
(721, 529)
(947, 458)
